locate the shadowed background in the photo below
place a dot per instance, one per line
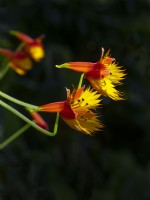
(113, 165)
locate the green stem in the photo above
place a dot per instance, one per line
(4, 71)
(5, 65)
(21, 103)
(20, 47)
(14, 136)
(81, 80)
(31, 123)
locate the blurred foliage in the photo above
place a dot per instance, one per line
(113, 165)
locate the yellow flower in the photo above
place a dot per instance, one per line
(76, 111)
(33, 47)
(103, 75)
(18, 61)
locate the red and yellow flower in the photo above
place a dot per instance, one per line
(76, 111)
(32, 46)
(103, 75)
(18, 61)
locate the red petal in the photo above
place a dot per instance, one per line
(53, 107)
(6, 53)
(99, 71)
(109, 60)
(80, 66)
(67, 112)
(23, 37)
(77, 93)
(39, 120)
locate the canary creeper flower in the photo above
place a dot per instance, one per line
(76, 111)
(103, 75)
(18, 61)
(33, 47)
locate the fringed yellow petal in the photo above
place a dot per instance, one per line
(87, 123)
(109, 89)
(106, 87)
(116, 74)
(73, 123)
(89, 99)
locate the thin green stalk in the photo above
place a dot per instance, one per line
(5, 61)
(20, 47)
(4, 71)
(21, 103)
(81, 80)
(14, 136)
(31, 123)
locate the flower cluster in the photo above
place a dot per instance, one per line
(79, 109)
(20, 60)
(76, 111)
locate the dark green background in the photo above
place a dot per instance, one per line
(113, 165)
